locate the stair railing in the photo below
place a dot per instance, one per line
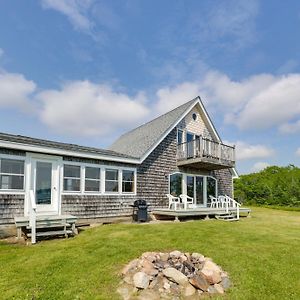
(32, 216)
(232, 204)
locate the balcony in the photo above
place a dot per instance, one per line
(205, 154)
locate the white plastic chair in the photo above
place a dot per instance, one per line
(214, 203)
(222, 201)
(173, 201)
(186, 200)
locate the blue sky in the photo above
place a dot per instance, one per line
(84, 71)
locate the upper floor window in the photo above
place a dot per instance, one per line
(72, 178)
(92, 179)
(111, 180)
(11, 174)
(128, 181)
(179, 137)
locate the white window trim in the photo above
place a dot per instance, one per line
(102, 167)
(76, 178)
(14, 191)
(134, 182)
(118, 180)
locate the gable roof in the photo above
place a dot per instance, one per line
(57, 148)
(140, 140)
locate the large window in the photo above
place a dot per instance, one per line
(71, 178)
(92, 179)
(127, 181)
(176, 184)
(179, 137)
(111, 180)
(11, 174)
(211, 187)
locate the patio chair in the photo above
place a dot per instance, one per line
(214, 203)
(173, 201)
(186, 200)
(222, 201)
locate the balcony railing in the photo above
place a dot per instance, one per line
(208, 151)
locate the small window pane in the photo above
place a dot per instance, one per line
(111, 174)
(128, 175)
(176, 184)
(128, 187)
(179, 137)
(71, 184)
(12, 182)
(111, 186)
(71, 171)
(92, 173)
(92, 185)
(12, 166)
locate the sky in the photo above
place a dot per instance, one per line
(86, 71)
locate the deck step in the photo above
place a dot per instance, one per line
(51, 233)
(53, 225)
(226, 217)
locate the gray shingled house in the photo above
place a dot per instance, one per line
(179, 152)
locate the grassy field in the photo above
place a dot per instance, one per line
(261, 254)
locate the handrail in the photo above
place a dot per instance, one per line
(32, 216)
(234, 204)
(204, 147)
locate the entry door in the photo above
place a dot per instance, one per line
(45, 185)
(194, 187)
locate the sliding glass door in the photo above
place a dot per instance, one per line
(194, 187)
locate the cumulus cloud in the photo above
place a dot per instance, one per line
(290, 127)
(85, 108)
(15, 91)
(246, 151)
(260, 166)
(75, 10)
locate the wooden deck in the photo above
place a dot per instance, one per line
(196, 212)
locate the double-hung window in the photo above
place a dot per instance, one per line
(92, 179)
(127, 181)
(111, 180)
(11, 174)
(72, 178)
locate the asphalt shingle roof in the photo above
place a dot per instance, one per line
(140, 140)
(61, 146)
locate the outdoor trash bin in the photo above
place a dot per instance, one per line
(140, 211)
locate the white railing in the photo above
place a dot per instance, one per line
(231, 203)
(32, 216)
(206, 148)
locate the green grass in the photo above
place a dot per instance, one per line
(260, 253)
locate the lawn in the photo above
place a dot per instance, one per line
(261, 254)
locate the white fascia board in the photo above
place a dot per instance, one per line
(55, 151)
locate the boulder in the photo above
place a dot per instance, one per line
(211, 276)
(141, 280)
(199, 282)
(175, 275)
(189, 290)
(148, 268)
(198, 256)
(209, 265)
(226, 283)
(132, 265)
(219, 288)
(175, 254)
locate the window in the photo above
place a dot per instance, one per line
(176, 184)
(92, 179)
(11, 174)
(127, 181)
(179, 137)
(111, 180)
(194, 116)
(71, 178)
(211, 187)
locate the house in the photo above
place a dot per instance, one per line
(179, 152)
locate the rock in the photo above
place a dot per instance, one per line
(175, 275)
(148, 268)
(132, 265)
(198, 256)
(151, 256)
(189, 291)
(125, 292)
(199, 282)
(212, 290)
(167, 286)
(219, 288)
(164, 256)
(226, 283)
(211, 276)
(148, 295)
(141, 280)
(209, 265)
(175, 254)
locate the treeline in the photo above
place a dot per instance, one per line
(271, 186)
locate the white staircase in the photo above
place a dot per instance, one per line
(232, 209)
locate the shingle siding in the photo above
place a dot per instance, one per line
(10, 206)
(225, 185)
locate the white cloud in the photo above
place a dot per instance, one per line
(85, 108)
(15, 90)
(298, 152)
(260, 166)
(246, 151)
(290, 127)
(75, 10)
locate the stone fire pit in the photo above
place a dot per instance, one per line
(173, 275)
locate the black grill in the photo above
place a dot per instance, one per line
(140, 211)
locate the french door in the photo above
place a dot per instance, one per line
(195, 189)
